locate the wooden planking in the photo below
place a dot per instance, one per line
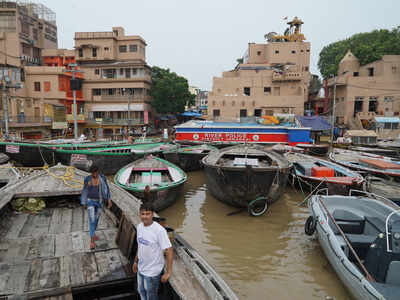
(18, 274)
(32, 282)
(116, 268)
(37, 225)
(18, 221)
(89, 268)
(17, 250)
(103, 265)
(41, 247)
(77, 241)
(76, 269)
(63, 244)
(85, 220)
(67, 220)
(77, 219)
(110, 236)
(4, 276)
(50, 273)
(56, 221)
(65, 270)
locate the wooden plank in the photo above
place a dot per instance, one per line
(77, 242)
(103, 266)
(85, 220)
(17, 250)
(65, 270)
(50, 273)
(66, 220)
(18, 275)
(104, 222)
(4, 276)
(76, 269)
(63, 244)
(77, 219)
(111, 236)
(89, 268)
(18, 221)
(32, 282)
(47, 245)
(86, 240)
(37, 225)
(114, 261)
(56, 222)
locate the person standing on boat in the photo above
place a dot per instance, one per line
(94, 194)
(153, 242)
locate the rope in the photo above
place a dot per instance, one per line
(312, 192)
(67, 177)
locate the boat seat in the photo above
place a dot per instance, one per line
(393, 273)
(377, 223)
(361, 240)
(348, 222)
(148, 169)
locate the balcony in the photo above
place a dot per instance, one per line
(25, 121)
(115, 121)
(122, 98)
(287, 76)
(80, 118)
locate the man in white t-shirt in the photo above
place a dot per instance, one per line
(149, 262)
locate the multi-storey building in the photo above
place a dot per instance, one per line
(272, 78)
(117, 79)
(366, 92)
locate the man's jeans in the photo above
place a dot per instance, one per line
(148, 286)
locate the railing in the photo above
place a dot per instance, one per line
(287, 76)
(114, 121)
(27, 120)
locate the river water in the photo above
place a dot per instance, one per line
(267, 257)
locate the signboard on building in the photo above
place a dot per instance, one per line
(59, 125)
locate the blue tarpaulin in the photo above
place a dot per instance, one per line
(387, 119)
(190, 114)
(316, 123)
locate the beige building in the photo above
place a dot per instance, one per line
(117, 79)
(273, 78)
(366, 92)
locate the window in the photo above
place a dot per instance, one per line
(122, 48)
(306, 69)
(134, 72)
(132, 48)
(109, 73)
(394, 69)
(26, 49)
(257, 112)
(302, 50)
(80, 52)
(36, 86)
(111, 92)
(355, 74)
(388, 99)
(106, 49)
(94, 52)
(35, 34)
(25, 28)
(246, 91)
(47, 86)
(308, 50)
(96, 71)
(121, 71)
(258, 53)
(373, 104)
(276, 51)
(116, 32)
(243, 113)
(267, 90)
(370, 72)
(277, 91)
(96, 92)
(216, 112)
(293, 51)
(127, 73)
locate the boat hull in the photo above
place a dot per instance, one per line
(108, 164)
(186, 161)
(163, 198)
(318, 150)
(238, 187)
(28, 155)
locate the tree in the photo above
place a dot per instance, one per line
(367, 47)
(170, 91)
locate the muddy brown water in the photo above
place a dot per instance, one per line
(267, 257)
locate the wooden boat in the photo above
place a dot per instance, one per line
(384, 188)
(360, 238)
(312, 172)
(366, 162)
(377, 151)
(314, 149)
(282, 148)
(47, 255)
(393, 145)
(242, 175)
(164, 178)
(4, 158)
(8, 174)
(188, 158)
(110, 159)
(28, 154)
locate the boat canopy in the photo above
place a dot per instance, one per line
(317, 123)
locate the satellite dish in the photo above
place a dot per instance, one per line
(269, 36)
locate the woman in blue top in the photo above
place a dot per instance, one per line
(94, 194)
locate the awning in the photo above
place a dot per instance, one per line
(116, 107)
(387, 119)
(190, 114)
(316, 123)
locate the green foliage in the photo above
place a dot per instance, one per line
(315, 84)
(240, 60)
(367, 47)
(170, 92)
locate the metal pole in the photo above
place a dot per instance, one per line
(129, 112)
(74, 107)
(5, 107)
(333, 109)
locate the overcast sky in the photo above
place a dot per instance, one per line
(201, 39)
